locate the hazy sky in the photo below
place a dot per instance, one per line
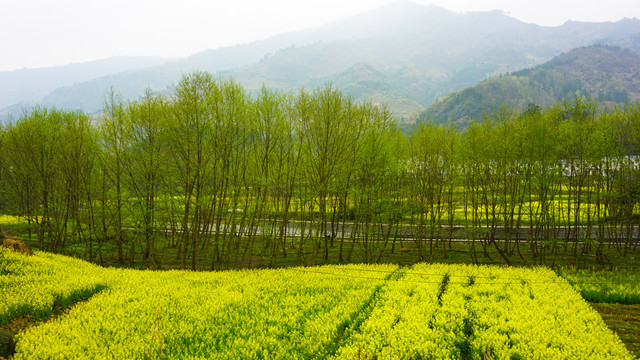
(38, 33)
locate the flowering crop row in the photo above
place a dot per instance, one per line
(342, 312)
(534, 314)
(471, 312)
(293, 313)
(33, 286)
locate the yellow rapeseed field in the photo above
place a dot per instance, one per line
(428, 311)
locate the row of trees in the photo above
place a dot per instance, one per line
(215, 177)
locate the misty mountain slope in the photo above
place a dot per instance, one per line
(413, 55)
(428, 51)
(363, 81)
(632, 42)
(30, 85)
(609, 74)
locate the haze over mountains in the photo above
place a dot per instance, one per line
(403, 54)
(30, 85)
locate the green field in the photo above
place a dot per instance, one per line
(329, 312)
(619, 286)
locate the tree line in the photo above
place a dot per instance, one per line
(214, 177)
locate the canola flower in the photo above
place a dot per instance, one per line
(534, 314)
(476, 312)
(251, 314)
(344, 312)
(33, 286)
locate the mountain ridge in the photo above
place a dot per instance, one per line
(427, 51)
(31, 84)
(609, 74)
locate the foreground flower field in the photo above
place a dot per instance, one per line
(329, 312)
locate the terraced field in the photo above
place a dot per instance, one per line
(329, 312)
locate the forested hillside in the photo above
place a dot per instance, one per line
(609, 74)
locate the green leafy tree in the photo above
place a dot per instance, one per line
(114, 195)
(144, 167)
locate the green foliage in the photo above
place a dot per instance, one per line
(614, 286)
(4, 263)
(217, 178)
(48, 169)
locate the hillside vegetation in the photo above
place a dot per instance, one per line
(609, 74)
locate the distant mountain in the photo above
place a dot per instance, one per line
(424, 53)
(610, 74)
(87, 92)
(30, 85)
(402, 54)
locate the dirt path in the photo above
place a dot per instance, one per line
(624, 320)
(10, 330)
